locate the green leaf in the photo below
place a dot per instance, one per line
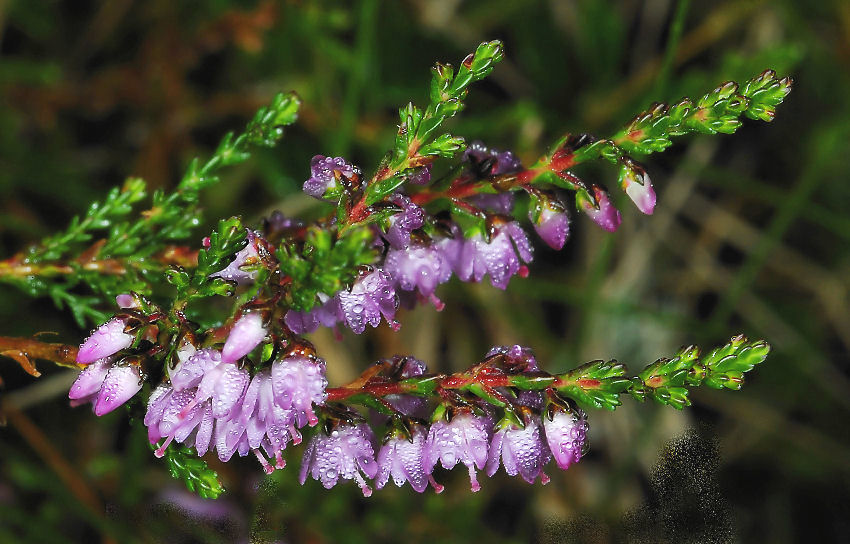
(184, 464)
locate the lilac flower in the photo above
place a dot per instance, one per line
(126, 301)
(421, 176)
(328, 313)
(410, 218)
(404, 460)
(518, 356)
(500, 258)
(421, 267)
(504, 162)
(346, 453)
(371, 297)
(246, 257)
(106, 384)
(520, 449)
(566, 434)
(464, 439)
(409, 405)
(106, 340)
(172, 415)
(502, 203)
(602, 212)
(270, 426)
(551, 223)
(246, 334)
(638, 186)
(326, 174)
(298, 383)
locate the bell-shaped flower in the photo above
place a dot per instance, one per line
(346, 453)
(239, 269)
(106, 340)
(551, 223)
(500, 258)
(371, 297)
(403, 458)
(327, 175)
(636, 183)
(521, 450)
(566, 434)
(600, 209)
(107, 384)
(410, 218)
(246, 334)
(465, 439)
(420, 266)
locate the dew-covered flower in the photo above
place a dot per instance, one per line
(410, 218)
(551, 222)
(421, 176)
(602, 212)
(298, 383)
(420, 267)
(346, 453)
(107, 384)
(172, 415)
(106, 340)
(638, 186)
(499, 162)
(246, 334)
(465, 439)
(502, 203)
(409, 405)
(403, 458)
(246, 257)
(520, 450)
(371, 297)
(327, 313)
(519, 358)
(326, 175)
(566, 433)
(501, 258)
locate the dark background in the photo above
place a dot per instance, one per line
(750, 235)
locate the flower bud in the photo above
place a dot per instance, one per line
(107, 340)
(246, 334)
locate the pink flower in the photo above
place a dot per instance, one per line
(520, 449)
(501, 258)
(106, 384)
(346, 453)
(404, 460)
(638, 186)
(599, 208)
(551, 222)
(246, 334)
(566, 433)
(106, 340)
(464, 439)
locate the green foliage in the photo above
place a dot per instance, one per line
(185, 465)
(596, 384)
(323, 263)
(667, 380)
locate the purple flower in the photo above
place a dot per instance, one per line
(520, 449)
(497, 203)
(519, 357)
(504, 162)
(409, 405)
(638, 186)
(410, 218)
(270, 426)
(500, 258)
(404, 460)
(221, 382)
(551, 222)
(171, 414)
(246, 334)
(566, 433)
(247, 257)
(346, 453)
(371, 297)
(107, 384)
(298, 383)
(421, 176)
(106, 340)
(464, 439)
(421, 267)
(602, 212)
(326, 175)
(328, 313)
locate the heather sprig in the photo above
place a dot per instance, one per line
(222, 348)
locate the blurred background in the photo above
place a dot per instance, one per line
(750, 235)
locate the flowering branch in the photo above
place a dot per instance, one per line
(241, 378)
